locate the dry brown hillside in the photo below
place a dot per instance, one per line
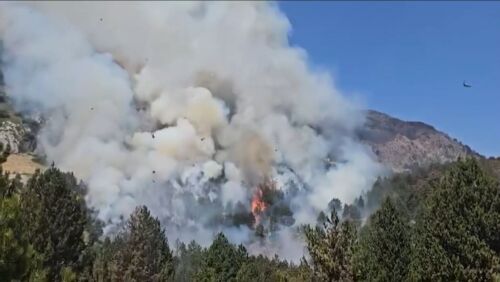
(403, 145)
(22, 164)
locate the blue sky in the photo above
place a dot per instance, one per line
(409, 59)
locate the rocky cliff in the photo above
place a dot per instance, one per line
(402, 145)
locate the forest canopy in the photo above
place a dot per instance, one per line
(439, 223)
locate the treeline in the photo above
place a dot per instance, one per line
(444, 227)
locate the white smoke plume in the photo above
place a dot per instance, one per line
(184, 107)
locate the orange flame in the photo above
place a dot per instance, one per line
(258, 206)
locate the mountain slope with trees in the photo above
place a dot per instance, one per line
(435, 219)
(47, 233)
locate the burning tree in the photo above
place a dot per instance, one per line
(269, 207)
(262, 199)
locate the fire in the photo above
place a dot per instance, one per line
(258, 206)
(261, 199)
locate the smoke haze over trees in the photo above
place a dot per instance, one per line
(49, 234)
(169, 112)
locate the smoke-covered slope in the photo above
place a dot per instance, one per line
(403, 145)
(17, 133)
(189, 109)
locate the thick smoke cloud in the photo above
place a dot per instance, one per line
(185, 107)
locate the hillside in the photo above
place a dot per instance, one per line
(19, 135)
(404, 145)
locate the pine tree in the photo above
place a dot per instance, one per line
(15, 252)
(330, 246)
(383, 251)
(457, 233)
(54, 217)
(257, 269)
(18, 259)
(221, 261)
(190, 259)
(351, 213)
(143, 252)
(101, 269)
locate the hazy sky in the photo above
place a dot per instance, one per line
(409, 59)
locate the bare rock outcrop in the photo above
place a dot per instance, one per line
(403, 145)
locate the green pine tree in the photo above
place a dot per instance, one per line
(257, 269)
(383, 251)
(330, 246)
(457, 233)
(221, 261)
(18, 259)
(189, 263)
(101, 268)
(143, 253)
(54, 218)
(15, 252)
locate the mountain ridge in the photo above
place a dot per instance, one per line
(403, 145)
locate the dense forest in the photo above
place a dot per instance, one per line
(440, 223)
